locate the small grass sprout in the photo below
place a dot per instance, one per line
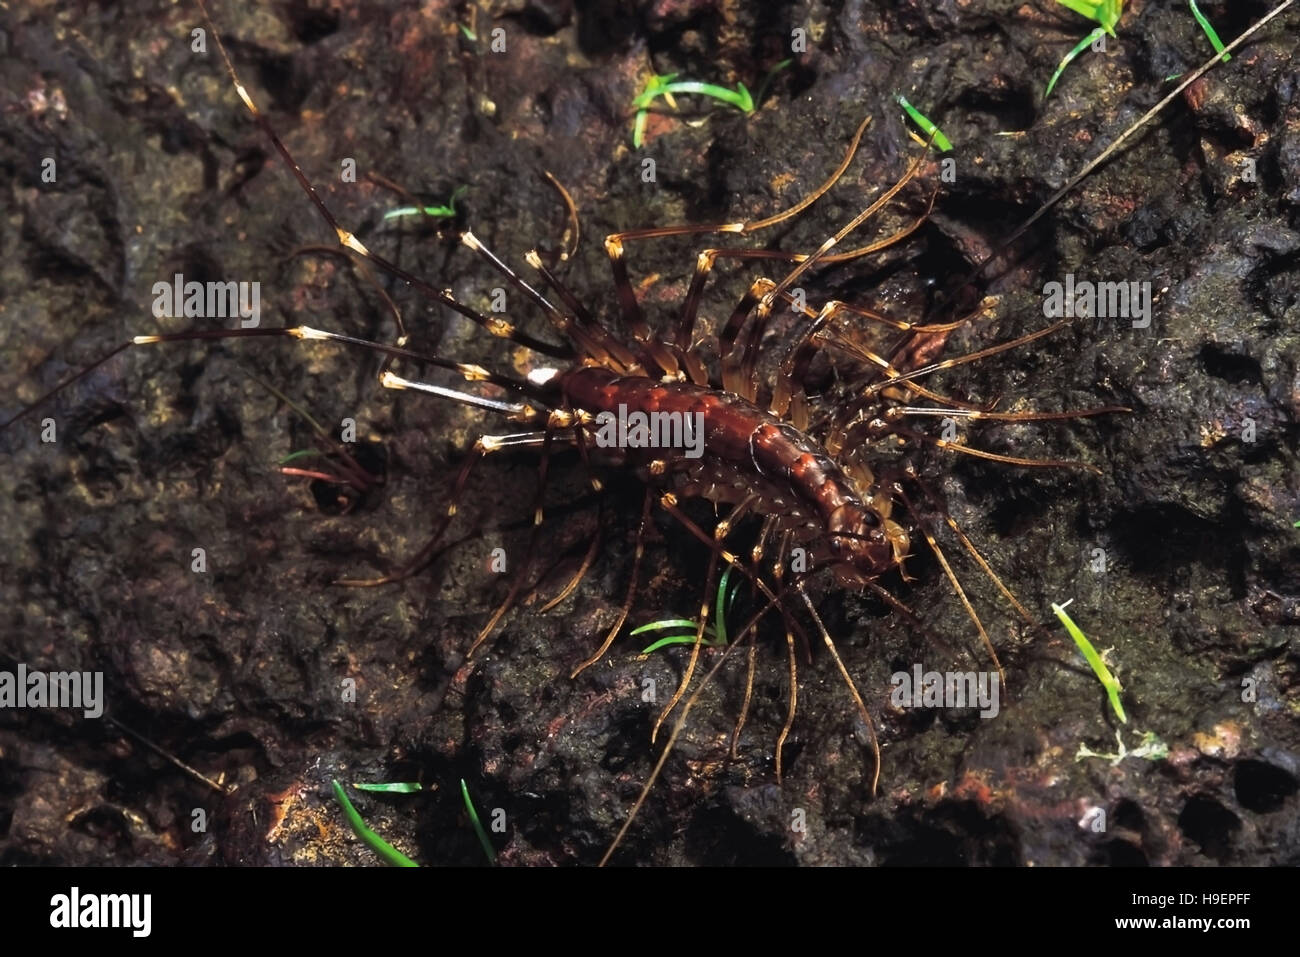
(715, 635)
(436, 212)
(478, 826)
(1108, 680)
(1209, 31)
(1105, 12)
(667, 85)
(941, 142)
(377, 844)
(391, 787)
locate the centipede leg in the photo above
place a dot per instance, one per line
(848, 681)
(695, 647)
(482, 447)
(579, 437)
(680, 723)
(756, 555)
(631, 587)
(521, 575)
(794, 693)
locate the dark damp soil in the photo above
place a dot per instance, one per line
(1181, 556)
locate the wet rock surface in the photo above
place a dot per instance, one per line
(261, 676)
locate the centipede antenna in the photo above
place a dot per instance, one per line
(900, 410)
(833, 338)
(952, 577)
(848, 681)
(975, 553)
(992, 456)
(969, 357)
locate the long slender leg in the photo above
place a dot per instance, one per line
(680, 723)
(482, 447)
(794, 694)
(348, 240)
(695, 646)
(848, 681)
(631, 588)
(634, 318)
(764, 311)
(893, 429)
(470, 372)
(720, 533)
(603, 342)
(588, 559)
(980, 560)
(521, 575)
(952, 577)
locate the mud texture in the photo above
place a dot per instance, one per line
(243, 671)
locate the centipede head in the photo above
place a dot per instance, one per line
(859, 548)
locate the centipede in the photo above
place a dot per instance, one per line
(849, 352)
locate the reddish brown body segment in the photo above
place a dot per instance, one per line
(742, 439)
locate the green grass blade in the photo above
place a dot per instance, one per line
(767, 79)
(478, 826)
(739, 97)
(1209, 31)
(1066, 60)
(1105, 12)
(390, 787)
(377, 844)
(709, 640)
(941, 142)
(1108, 680)
(437, 212)
(720, 626)
(665, 623)
(300, 454)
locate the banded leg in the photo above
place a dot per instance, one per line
(417, 563)
(956, 585)
(631, 588)
(347, 240)
(521, 575)
(848, 681)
